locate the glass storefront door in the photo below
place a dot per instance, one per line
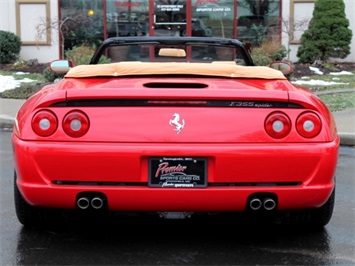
(127, 18)
(89, 22)
(169, 18)
(146, 17)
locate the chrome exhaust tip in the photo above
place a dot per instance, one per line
(255, 204)
(269, 204)
(83, 203)
(97, 203)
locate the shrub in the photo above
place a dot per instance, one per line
(81, 29)
(259, 57)
(81, 55)
(10, 47)
(327, 35)
(51, 76)
(267, 52)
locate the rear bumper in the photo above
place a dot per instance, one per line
(154, 199)
(40, 164)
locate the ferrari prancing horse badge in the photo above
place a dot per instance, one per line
(177, 122)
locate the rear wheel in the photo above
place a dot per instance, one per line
(313, 218)
(29, 215)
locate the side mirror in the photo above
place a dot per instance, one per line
(61, 66)
(283, 66)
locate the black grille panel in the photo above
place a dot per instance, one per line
(177, 102)
(145, 184)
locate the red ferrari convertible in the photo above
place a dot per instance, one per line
(175, 126)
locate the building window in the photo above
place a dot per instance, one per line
(81, 23)
(258, 20)
(301, 12)
(127, 18)
(91, 21)
(32, 22)
(213, 18)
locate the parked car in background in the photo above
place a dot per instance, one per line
(175, 131)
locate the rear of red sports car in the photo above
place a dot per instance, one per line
(175, 144)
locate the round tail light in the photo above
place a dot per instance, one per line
(44, 123)
(277, 125)
(308, 125)
(76, 124)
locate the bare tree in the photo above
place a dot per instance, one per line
(289, 27)
(47, 25)
(259, 8)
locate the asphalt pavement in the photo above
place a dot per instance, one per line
(345, 120)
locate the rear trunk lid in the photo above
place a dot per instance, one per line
(179, 110)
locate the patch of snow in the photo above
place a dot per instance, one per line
(317, 82)
(22, 73)
(9, 83)
(306, 81)
(316, 70)
(341, 73)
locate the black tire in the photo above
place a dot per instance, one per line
(28, 215)
(313, 218)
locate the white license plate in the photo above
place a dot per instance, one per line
(177, 172)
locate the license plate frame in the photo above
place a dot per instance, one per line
(177, 172)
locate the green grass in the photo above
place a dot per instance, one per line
(339, 101)
(26, 89)
(335, 101)
(38, 78)
(348, 79)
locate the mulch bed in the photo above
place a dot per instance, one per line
(35, 68)
(302, 70)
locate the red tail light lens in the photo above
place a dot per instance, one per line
(44, 123)
(277, 125)
(76, 124)
(308, 125)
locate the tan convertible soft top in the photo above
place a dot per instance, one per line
(218, 69)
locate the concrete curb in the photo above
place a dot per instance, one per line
(347, 139)
(6, 122)
(332, 91)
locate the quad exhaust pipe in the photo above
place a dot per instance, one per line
(255, 204)
(83, 203)
(262, 202)
(97, 203)
(269, 204)
(86, 200)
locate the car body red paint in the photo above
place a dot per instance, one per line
(219, 121)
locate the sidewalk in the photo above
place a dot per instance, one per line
(345, 120)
